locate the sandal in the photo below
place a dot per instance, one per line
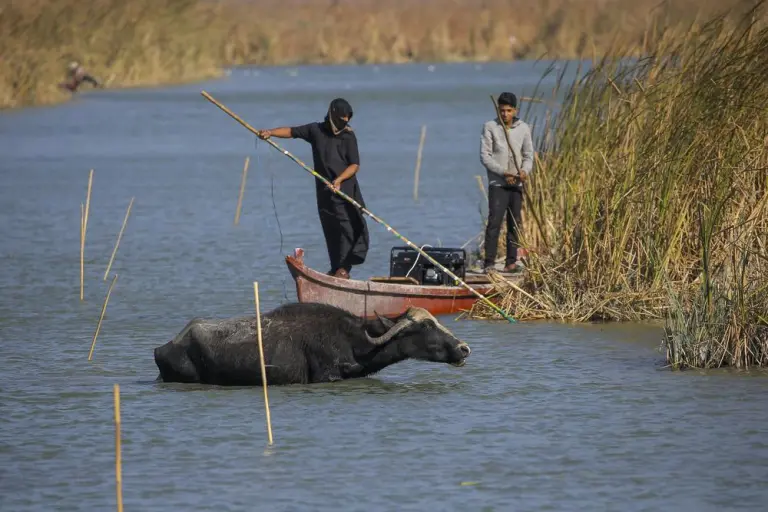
(514, 268)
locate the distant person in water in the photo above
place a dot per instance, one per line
(76, 75)
(336, 158)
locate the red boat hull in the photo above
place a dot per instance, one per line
(367, 298)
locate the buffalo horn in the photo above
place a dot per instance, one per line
(384, 338)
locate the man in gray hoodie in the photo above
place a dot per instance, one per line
(507, 174)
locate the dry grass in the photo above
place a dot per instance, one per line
(125, 43)
(654, 193)
(147, 42)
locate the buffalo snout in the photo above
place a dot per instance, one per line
(462, 353)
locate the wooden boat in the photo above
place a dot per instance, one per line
(386, 296)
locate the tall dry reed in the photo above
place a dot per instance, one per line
(146, 42)
(654, 192)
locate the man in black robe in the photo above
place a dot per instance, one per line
(336, 158)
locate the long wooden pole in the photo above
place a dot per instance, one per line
(83, 232)
(118, 457)
(261, 359)
(480, 184)
(242, 190)
(82, 250)
(119, 236)
(418, 163)
(88, 199)
(364, 210)
(527, 196)
(101, 317)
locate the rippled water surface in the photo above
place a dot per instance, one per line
(543, 417)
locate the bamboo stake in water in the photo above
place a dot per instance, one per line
(83, 230)
(242, 190)
(118, 457)
(88, 200)
(119, 236)
(82, 250)
(101, 317)
(418, 163)
(364, 210)
(261, 359)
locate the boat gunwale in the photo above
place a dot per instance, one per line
(298, 269)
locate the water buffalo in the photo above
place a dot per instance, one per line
(303, 343)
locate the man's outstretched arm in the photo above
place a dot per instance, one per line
(283, 132)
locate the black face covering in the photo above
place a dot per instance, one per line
(338, 108)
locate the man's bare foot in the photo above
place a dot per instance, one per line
(342, 274)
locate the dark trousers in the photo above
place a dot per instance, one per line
(503, 201)
(346, 234)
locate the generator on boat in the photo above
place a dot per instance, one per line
(407, 262)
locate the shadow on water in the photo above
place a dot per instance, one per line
(374, 385)
(351, 387)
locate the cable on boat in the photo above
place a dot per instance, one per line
(417, 260)
(274, 208)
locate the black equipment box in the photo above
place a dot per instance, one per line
(407, 262)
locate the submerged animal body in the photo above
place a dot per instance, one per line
(303, 343)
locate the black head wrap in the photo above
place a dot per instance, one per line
(336, 110)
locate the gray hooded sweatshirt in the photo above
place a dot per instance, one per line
(495, 155)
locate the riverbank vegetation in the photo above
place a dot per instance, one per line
(153, 42)
(123, 43)
(651, 204)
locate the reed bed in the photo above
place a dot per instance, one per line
(652, 199)
(123, 43)
(727, 323)
(151, 42)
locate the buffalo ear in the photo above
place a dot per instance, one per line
(388, 324)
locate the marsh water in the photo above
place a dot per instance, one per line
(544, 416)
